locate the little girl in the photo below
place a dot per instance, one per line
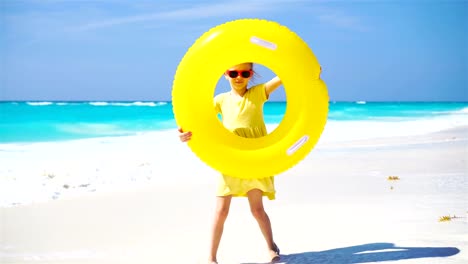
(242, 113)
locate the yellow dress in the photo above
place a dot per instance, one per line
(244, 117)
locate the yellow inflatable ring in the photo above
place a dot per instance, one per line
(287, 55)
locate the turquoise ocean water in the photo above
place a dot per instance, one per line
(55, 121)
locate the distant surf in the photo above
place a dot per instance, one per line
(40, 121)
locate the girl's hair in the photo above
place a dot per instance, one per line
(254, 76)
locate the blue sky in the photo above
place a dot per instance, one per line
(405, 50)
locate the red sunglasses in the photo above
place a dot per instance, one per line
(243, 74)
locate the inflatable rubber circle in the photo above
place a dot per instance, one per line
(285, 53)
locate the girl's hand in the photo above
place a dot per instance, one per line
(184, 136)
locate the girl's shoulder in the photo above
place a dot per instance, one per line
(257, 87)
(220, 97)
(257, 90)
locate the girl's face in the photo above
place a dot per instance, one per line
(237, 76)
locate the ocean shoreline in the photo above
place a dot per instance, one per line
(51, 122)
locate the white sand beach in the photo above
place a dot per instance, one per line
(148, 199)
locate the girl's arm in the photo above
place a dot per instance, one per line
(272, 85)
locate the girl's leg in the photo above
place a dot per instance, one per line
(256, 207)
(222, 209)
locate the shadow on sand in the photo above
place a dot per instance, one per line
(366, 253)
